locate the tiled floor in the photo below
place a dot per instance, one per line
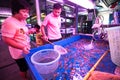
(8, 68)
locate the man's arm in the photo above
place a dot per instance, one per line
(44, 36)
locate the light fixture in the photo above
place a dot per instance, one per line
(83, 3)
(54, 1)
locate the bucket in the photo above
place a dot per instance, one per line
(45, 61)
(114, 44)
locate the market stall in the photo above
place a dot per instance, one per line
(79, 60)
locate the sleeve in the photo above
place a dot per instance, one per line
(45, 22)
(60, 22)
(8, 29)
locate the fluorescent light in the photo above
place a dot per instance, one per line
(84, 3)
(54, 1)
(5, 11)
(61, 1)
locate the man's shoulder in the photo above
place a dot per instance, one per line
(49, 15)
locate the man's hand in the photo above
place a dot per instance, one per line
(45, 38)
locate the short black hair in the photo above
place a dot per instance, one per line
(16, 5)
(37, 26)
(57, 6)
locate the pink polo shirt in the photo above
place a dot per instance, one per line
(53, 25)
(12, 28)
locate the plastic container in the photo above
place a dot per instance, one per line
(45, 61)
(114, 44)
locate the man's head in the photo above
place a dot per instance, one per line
(57, 8)
(20, 7)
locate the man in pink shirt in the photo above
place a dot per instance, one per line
(53, 23)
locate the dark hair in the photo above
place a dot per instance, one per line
(57, 6)
(16, 5)
(37, 26)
